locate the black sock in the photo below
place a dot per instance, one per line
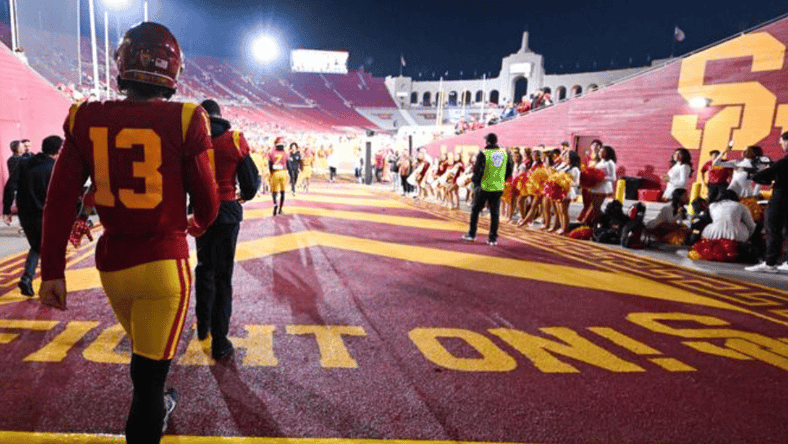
(146, 416)
(281, 199)
(273, 195)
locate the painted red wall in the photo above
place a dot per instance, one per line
(30, 107)
(647, 117)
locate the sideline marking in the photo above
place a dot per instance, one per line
(402, 221)
(605, 280)
(75, 438)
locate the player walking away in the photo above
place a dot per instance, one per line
(28, 184)
(213, 276)
(490, 171)
(277, 165)
(143, 155)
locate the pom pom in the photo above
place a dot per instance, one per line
(694, 255)
(756, 210)
(591, 177)
(677, 237)
(536, 179)
(717, 250)
(582, 232)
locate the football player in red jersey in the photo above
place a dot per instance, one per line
(213, 276)
(277, 164)
(144, 155)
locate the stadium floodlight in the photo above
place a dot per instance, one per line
(116, 5)
(700, 102)
(265, 48)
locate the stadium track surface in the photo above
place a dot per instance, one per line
(360, 316)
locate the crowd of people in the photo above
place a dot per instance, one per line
(544, 181)
(501, 113)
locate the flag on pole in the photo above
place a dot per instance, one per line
(402, 60)
(679, 34)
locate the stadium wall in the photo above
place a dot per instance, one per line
(743, 82)
(31, 107)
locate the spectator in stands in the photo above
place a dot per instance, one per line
(216, 246)
(679, 172)
(524, 106)
(508, 112)
(776, 219)
(542, 99)
(715, 177)
(294, 166)
(491, 169)
(28, 185)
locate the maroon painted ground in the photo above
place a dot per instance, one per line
(396, 392)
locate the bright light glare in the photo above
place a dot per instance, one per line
(265, 49)
(699, 102)
(116, 5)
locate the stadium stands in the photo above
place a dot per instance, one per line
(291, 101)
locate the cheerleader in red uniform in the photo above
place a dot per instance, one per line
(591, 162)
(452, 188)
(533, 187)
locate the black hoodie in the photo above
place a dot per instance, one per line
(31, 179)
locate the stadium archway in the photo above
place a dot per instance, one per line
(520, 87)
(414, 98)
(453, 98)
(560, 93)
(577, 90)
(425, 99)
(479, 96)
(592, 87)
(494, 96)
(466, 97)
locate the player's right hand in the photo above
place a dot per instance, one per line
(53, 293)
(193, 229)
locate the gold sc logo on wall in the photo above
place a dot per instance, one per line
(749, 109)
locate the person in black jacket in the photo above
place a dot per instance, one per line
(216, 247)
(294, 165)
(16, 156)
(29, 181)
(776, 217)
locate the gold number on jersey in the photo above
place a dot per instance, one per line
(148, 169)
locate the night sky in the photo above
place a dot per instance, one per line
(439, 36)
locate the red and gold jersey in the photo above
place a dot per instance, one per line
(143, 158)
(277, 160)
(229, 149)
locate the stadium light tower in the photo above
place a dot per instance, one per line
(265, 48)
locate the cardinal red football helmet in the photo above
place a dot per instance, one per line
(280, 141)
(150, 54)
